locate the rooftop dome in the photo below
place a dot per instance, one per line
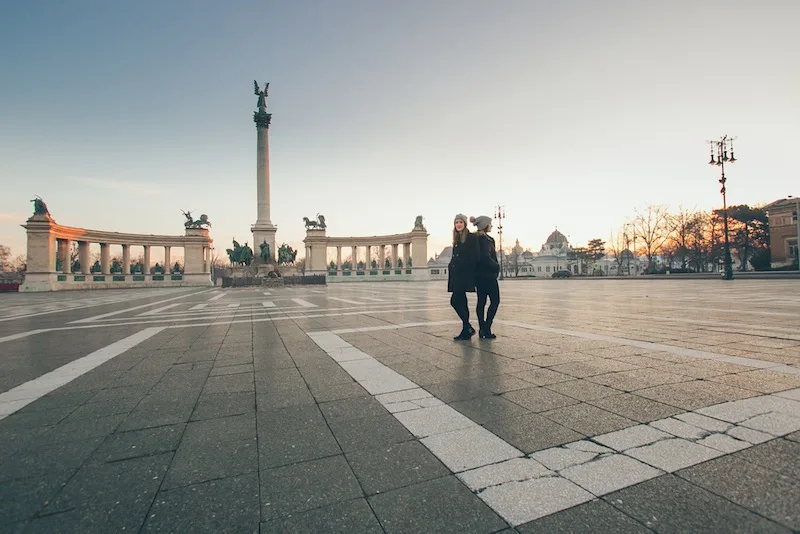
(556, 237)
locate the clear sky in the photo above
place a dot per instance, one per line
(569, 113)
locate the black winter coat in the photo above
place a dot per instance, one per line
(488, 267)
(461, 271)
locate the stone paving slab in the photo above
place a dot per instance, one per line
(370, 418)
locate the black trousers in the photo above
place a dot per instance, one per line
(491, 290)
(458, 300)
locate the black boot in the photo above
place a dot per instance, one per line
(466, 333)
(486, 333)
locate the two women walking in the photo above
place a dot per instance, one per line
(474, 268)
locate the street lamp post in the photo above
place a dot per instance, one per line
(499, 215)
(721, 148)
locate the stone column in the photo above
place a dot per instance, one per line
(263, 229)
(126, 259)
(419, 253)
(368, 257)
(167, 260)
(84, 257)
(41, 259)
(146, 262)
(382, 257)
(63, 252)
(105, 258)
(353, 258)
(338, 258)
(406, 254)
(394, 255)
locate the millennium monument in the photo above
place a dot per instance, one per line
(263, 229)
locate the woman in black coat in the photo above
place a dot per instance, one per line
(461, 273)
(486, 276)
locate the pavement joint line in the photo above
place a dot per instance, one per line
(697, 322)
(215, 323)
(258, 310)
(681, 351)
(511, 483)
(72, 308)
(110, 314)
(24, 394)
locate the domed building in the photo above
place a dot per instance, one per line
(555, 242)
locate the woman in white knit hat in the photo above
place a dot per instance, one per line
(486, 276)
(461, 273)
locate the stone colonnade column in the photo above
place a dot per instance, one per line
(353, 258)
(381, 257)
(368, 258)
(338, 258)
(167, 268)
(63, 253)
(146, 266)
(84, 257)
(105, 259)
(126, 259)
(395, 246)
(406, 254)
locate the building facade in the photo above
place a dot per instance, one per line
(784, 227)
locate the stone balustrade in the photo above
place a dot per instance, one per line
(414, 247)
(49, 245)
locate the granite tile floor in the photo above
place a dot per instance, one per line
(602, 406)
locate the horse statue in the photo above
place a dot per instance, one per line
(39, 207)
(199, 223)
(202, 221)
(286, 254)
(319, 222)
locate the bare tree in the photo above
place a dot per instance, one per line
(684, 226)
(652, 227)
(617, 247)
(5, 258)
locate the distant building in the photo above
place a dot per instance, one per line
(783, 231)
(554, 255)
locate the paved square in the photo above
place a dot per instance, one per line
(602, 404)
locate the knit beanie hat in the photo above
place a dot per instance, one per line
(460, 216)
(481, 222)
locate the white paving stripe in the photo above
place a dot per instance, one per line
(524, 488)
(198, 307)
(111, 314)
(268, 304)
(216, 297)
(24, 394)
(159, 310)
(305, 303)
(346, 301)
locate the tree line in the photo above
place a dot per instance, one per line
(687, 240)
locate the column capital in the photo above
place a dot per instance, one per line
(262, 119)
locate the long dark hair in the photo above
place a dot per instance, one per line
(460, 237)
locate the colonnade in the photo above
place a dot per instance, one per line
(49, 242)
(413, 245)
